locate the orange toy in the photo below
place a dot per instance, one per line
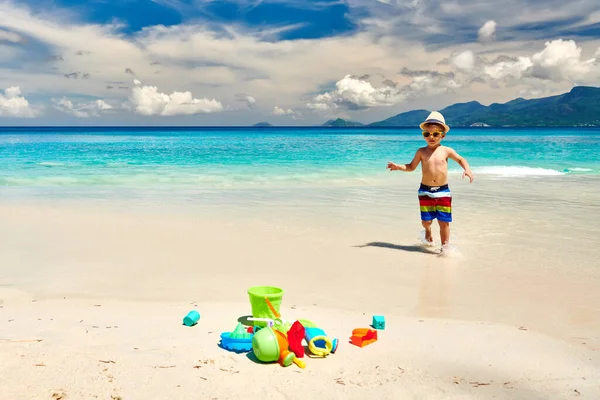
(273, 310)
(286, 357)
(362, 337)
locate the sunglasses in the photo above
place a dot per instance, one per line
(434, 134)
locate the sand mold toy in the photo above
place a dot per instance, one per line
(191, 318)
(362, 337)
(239, 340)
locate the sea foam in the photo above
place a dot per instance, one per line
(514, 171)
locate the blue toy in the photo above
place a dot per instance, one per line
(378, 322)
(318, 342)
(239, 340)
(191, 318)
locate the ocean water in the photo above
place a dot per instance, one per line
(171, 158)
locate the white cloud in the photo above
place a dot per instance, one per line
(10, 36)
(317, 106)
(356, 93)
(81, 110)
(561, 60)
(280, 111)
(246, 98)
(147, 100)
(427, 85)
(509, 68)
(12, 104)
(464, 61)
(487, 32)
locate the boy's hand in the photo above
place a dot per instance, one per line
(392, 167)
(469, 174)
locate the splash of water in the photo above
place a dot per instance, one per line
(449, 251)
(425, 242)
(446, 251)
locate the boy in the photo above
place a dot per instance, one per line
(435, 199)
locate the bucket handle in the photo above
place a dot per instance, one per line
(275, 313)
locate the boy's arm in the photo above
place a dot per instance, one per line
(406, 167)
(462, 162)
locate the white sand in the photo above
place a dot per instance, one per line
(140, 350)
(105, 291)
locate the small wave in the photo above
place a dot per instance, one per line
(578, 170)
(50, 164)
(516, 171)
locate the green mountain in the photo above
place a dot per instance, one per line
(579, 107)
(341, 123)
(262, 124)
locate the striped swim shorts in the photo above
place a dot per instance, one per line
(435, 202)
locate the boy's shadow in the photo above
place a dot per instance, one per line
(413, 248)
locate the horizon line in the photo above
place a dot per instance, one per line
(280, 127)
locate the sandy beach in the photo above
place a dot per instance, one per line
(165, 157)
(93, 294)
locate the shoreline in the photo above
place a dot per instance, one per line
(159, 252)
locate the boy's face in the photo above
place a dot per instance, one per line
(436, 134)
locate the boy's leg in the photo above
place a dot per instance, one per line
(444, 232)
(443, 208)
(427, 226)
(428, 211)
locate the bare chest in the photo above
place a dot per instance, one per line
(436, 160)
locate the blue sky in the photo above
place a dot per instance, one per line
(294, 62)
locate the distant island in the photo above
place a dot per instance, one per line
(341, 123)
(578, 108)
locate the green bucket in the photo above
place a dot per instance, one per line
(260, 308)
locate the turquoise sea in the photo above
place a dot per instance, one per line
(171, 158)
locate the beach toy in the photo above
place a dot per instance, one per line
(268, 321)
(307, 324)
(286, 357)
(277, 324)
(265, 345)
(239, 340)
(378, 322)
(191, 318)
(318, 342)
(270, 345)
(273, 310)
(295, 336)
(362, 337)
(265, 302)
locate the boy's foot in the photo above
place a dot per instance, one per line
(428, 236)
(448, 250)
(425, 239)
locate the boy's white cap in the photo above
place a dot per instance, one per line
(435, 118)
